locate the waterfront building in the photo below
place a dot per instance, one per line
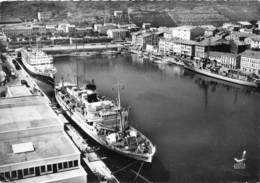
(245, 30)
(245, 24)
(9, 20)
(230, 26)
(117, 34)
(51, 28)
(253, 41)
(97, 27)
(151, 49)
(210, 30)
(43, 16)
(118, 13)
(146, 37)
(41, 29)
(238, 36)
(17, 29)
(130, 27)
(187, 32)
(237, 47)
(202, 48)
(250, 62)
(84, 30)
(34, 146)
(3, 37)
(66, 28)
(177, 46)
(221, 34)
(225, 59)
(258, 24)
(104, 28)
(146, 26)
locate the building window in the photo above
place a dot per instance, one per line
(7, 175)
(25, 172)
(70, 164)
(14, 174)
(65, 165)
(2, 176)
(59, 165)
(43, 169)
(31, 170)
(49, 168)
(75, 162)
(20, 174)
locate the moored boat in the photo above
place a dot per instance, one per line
(38, 64)
(104, 121)
(192, 66)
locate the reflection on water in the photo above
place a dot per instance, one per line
(197, 123)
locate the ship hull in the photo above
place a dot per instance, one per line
(223, 78)
(89, 131)
(43, 77)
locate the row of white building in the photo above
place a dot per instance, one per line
(191, 41)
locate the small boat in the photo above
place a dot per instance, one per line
(192, 66)
(173, 60)
(110, 52)
(103, 120)
(38, 64)
(83, 54)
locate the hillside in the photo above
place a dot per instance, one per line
(158, 13)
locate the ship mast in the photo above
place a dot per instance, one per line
(119, 87)
(118, 94)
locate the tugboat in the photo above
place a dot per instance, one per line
(103, 120)
(39, 64)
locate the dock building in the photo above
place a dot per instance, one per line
(33, 145)
(250, 62)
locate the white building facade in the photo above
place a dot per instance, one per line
(187, 32)
(250, 62)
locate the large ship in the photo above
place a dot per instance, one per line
(103, 120)
(214, 72)
(38, 64)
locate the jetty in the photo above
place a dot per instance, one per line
(90, 157)
(82, 47)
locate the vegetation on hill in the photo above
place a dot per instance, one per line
(167, 13)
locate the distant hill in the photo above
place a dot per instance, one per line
(160, 13)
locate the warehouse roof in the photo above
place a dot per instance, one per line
(30, 120)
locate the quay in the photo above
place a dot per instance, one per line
(34, 146)
(90, 157)
(35, 155)
(82, 47)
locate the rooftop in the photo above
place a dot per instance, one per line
(218, 54)
(9, 20)
(46, 145)
(244, 23)
(185, 27)
(118, 30)
(182, 41)
(208, 27)
(29, 119)
(21, 113)
(212, 41)
(255, 37)
(17, 91)
(251, 54)
(17, 26)
(241, 34)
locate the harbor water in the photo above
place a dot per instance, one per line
(198, 124)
